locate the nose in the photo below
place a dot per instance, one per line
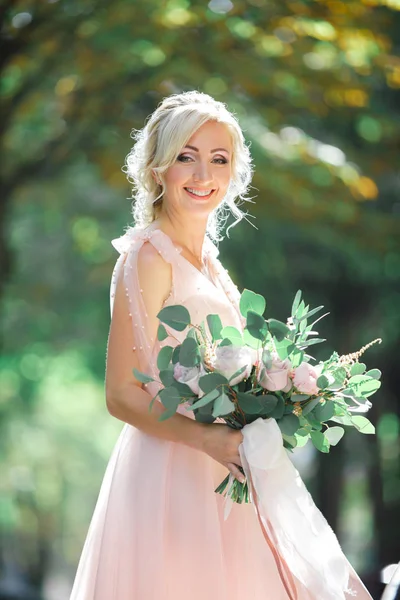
(202, 173)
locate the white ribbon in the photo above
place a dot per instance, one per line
(303, 543)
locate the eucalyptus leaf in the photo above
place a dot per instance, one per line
(223, 405)
(210, 381)
(322, 382)
(189, 354)
(375, 373)
(170, 398)
(142, 377)
(299, 397)
(251, 301)
(278, 329)
(357, 368)
(167, 377)
(289, 424)
(237, 373)
(320, 441)
(215, 326)
(176, 316)
(266, 358)
(315, 424)
(206, 399)
(363, 424)
(278, 411)
(284, 348)
(362, 385)
(339, 375)
(175, 354)
(296, 357)
(311, 342)
(250, 404)
(203, 414)
(301, 439)
(296, 302)
(319, 318)
(251, 341)
(310, 406)
(290, 440)
(167, 414)
(299, 310)
(310, 313)
(345, 420)
(334, 435)
(324, 411)
(232, 334)
(256, 325)
(183, 389)
(152, 402)
(162, 333)
(269, 404)
(164, 357)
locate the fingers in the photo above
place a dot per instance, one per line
(235, 472)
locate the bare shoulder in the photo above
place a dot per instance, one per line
(155, 276)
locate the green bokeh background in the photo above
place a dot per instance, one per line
(316, 88)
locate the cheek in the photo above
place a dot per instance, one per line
(175, 176)
(224, 177)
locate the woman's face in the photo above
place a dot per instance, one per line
(199, 179)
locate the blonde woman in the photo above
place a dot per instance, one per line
(158, 530)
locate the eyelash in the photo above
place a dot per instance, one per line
(182, 156)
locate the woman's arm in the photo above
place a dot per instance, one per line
(125, 397)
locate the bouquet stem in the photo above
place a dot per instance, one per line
(239, 492)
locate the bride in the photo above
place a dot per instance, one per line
(158, 530)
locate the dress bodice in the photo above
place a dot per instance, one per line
(200, 293)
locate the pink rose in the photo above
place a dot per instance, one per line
(190, 376)
(277, 376)
(305, 378)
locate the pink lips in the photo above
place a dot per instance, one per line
(199, 197)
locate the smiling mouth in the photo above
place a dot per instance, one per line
(199, 194)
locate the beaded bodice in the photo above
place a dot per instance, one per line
(199, 293)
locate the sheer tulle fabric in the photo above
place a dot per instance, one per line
(158, 530)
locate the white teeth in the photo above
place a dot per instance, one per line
(198, 193)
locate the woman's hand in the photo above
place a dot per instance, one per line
(221, 442)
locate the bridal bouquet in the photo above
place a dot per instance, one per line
(263, 371)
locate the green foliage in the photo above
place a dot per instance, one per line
(164, 357)
(223, 405)
(142, 377)
(250, 301)
(189, 355)
(177, 317)
(256, 325)
(215, 327)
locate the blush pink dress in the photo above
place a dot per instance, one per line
(158, 530)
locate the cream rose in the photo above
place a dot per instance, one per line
(190, 376)
(229, 359)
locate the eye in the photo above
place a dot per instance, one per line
(182, 157)
(219, 161)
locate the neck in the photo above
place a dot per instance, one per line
(189, 234)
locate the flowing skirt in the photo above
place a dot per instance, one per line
(158, 532)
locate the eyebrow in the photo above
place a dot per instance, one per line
(215, 149)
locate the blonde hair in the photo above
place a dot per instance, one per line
(159, 143)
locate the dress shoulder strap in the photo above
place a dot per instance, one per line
(128, 245)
